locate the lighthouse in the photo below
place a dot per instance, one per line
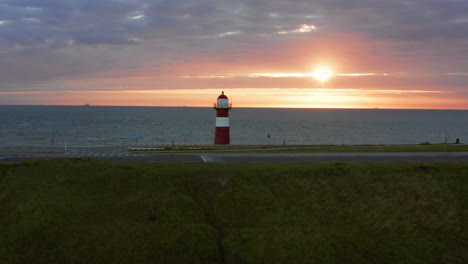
(222, 107)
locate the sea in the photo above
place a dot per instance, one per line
(119, 126)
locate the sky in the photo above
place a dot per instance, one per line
(410, 54)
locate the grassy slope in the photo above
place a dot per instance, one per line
(87, 211)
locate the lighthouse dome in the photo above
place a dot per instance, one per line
(222, 96)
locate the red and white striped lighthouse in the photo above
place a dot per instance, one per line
(222, 107)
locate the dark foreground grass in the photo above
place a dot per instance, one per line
(88, 211)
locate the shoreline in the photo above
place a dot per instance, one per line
(198, 148)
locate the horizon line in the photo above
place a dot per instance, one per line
(241, 107)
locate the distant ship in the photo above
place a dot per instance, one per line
(86, 105)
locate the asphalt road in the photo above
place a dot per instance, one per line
(337, 157)
(256, 157)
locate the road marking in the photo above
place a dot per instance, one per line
(203, 158)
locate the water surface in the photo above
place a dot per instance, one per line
(101, 125)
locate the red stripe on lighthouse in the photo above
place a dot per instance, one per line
(222, 136)
(222, 112)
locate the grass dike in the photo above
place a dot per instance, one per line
(90, 211)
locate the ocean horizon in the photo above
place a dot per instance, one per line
(240, 107)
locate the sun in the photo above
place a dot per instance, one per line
(322, 73)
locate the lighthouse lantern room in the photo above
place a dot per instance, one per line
(222, 107)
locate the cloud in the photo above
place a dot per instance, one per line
(44, 40)
(119, 20)
(229, 33)
(405, 20)
(304, 28)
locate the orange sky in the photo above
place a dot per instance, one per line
(281, 97)
(362, 78)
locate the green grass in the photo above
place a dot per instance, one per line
(89, 211)
(313, 148)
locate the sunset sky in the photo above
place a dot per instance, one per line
(261, 53)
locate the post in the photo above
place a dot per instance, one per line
(65, 146)
(137, 136)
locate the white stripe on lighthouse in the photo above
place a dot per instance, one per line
(222, 121)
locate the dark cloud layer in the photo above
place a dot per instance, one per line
(43, 22)
(59, 32)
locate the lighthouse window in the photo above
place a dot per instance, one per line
(222, 103)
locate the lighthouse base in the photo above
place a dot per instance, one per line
(222, 136)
